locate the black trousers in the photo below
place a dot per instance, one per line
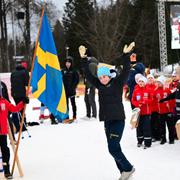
(166, 119)
(89, 99)
(155, 125)
(144, 130)
(114, 131)
(5, 149)
(73, 104)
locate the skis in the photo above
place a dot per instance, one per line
(178, 129)
(135, 118)
(13, 148)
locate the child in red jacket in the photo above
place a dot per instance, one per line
(151, 86)
(5, 107)
(165, 110)
(142, 98)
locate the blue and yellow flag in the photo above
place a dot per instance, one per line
(46, 82)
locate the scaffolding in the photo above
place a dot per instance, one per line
(162, 32)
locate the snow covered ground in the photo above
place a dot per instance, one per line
(78, 151)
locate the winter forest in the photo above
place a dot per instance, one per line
(103, 26)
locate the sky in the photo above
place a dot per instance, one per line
(59, 3)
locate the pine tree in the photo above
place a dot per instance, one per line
(76, 23)
(144, 30)
(59, 39)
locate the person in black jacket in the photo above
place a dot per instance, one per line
(136, 68)
(89, 97)
(19, 81)
(70, 80)
(111, 109)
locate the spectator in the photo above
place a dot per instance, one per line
(142, 99)
(19, 80)
(5, 95)
(136, 67)
(70, 80)
(89, 98)
(5, 107)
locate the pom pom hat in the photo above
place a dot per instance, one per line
(103, 71)
(150, 76)
(137, 76)
(161, 79)
(142, 78)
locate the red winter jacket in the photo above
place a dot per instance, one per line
(151, 88)
(142, 98)
(5, 107)
(165, 107)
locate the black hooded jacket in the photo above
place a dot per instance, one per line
(110, 95)
(19, 81)
(70, 80)
(135, 69)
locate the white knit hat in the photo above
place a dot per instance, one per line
(161, 79)
(137, 76)
(142, 78)
(150, 76)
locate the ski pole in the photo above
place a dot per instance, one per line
(20, 116)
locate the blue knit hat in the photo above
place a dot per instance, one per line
(103, 71)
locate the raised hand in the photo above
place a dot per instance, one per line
(129, 48)
(82, 51)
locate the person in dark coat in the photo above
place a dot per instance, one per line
(70, 80)
(19, 81)
(89, 97)
(136, 67)
(111, 109)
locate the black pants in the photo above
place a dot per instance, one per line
(4, 148)
(155, 125)
(18, 100)
(144, 130)
(73, 104)
(167, 119)
(114, 131)
(89, 99)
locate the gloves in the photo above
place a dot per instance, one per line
(26, 100)
(128, 49)
(160, 101)
(82, 51)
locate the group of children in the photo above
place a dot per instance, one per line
(156, 109)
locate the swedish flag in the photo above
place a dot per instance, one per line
(46, 82)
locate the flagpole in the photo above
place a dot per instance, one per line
(28, 88)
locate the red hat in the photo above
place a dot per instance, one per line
(24, 64)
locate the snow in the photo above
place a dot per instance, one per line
(78, 151)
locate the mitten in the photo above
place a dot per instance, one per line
(160, 101)
(26, 100)
(128, 49)
(82, 51)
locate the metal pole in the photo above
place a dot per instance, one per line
(67, 51)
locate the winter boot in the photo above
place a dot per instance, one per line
(53, 120)
(127, 174)
(7, 173)
(163, 141)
